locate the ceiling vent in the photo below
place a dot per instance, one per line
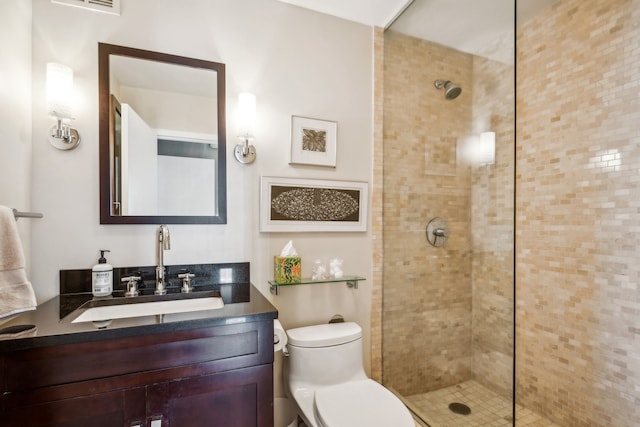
(106, 6)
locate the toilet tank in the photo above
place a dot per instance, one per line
(325, 354)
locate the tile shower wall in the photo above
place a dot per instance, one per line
(426, 321)
(377, 186)
(447, 313)
(492, 230)
(578, 199)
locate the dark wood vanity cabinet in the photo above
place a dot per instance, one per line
(210, 376)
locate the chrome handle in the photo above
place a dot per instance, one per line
(440, 232)
(186, 281)
(132, 285)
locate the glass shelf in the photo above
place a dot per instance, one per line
(351, 281)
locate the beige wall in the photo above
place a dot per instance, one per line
(15, 113)
(578, 156)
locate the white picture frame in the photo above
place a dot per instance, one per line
(313, 205)
(313, 141)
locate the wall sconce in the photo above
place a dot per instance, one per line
(477, 149)
(59, 100)
(487, 148)
(244, 152)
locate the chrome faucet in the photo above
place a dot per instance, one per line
(163, 243)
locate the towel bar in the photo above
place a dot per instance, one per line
(17, 214)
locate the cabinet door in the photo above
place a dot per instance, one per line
(237, 398)
(112, 409)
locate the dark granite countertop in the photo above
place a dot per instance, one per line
(243, 303)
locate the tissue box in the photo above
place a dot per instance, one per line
(287, 269)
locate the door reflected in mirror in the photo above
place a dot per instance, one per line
(162, 138)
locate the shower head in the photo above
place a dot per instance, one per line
(451, 90)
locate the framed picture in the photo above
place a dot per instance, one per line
(293, 204)
(313, 142)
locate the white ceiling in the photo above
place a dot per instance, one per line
(474, 26)
(377, 13)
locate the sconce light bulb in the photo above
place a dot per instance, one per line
(246, 115)
(59, 90)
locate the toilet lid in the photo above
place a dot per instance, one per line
(360, 403)
(324, 335)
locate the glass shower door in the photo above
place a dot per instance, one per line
(448, 200)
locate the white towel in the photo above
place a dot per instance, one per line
(16, 293)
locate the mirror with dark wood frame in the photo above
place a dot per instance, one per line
(162, 138)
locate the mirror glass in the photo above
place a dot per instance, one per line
(162, 138)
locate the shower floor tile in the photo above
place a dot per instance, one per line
(488, 409)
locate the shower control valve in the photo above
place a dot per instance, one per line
(437, 232)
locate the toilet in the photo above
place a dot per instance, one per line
(325, 377)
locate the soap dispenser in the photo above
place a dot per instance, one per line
(102, 277)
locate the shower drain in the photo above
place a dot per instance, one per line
(459, 408)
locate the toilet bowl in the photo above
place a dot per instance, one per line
(325, 378)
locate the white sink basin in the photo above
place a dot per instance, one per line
(120, 308)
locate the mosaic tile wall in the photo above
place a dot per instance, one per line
(376, 205)
(492, 219)
(447, 312)
(426, 321)
(578, 199)
(427, 318)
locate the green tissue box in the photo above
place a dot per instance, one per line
(287, 269)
